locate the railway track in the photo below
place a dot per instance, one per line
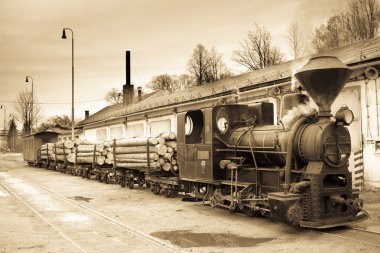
(117, 224)
(355, 234)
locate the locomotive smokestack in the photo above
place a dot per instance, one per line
(128, 87)
(323, 77)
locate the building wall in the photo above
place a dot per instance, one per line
(146, 127)
(370, 95)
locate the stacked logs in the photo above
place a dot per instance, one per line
(135, 153)
(47, 151)
(63, 150)
(90, 153)
(144, 153)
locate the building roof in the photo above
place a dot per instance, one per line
(351, 55)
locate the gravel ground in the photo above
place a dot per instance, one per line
(188, 226)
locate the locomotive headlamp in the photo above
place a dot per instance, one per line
(222, 121)
(344, 115)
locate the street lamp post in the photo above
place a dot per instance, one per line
(31, 120)
(72, 77)
(5, 110)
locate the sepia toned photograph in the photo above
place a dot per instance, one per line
(210, 126)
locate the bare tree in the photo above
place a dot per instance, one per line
(27, 112)
(257, 51)
(207, 66)
(216, 67)
(296, 40)
(64, 121)
(198, 65)
(164, 82)
(113, 96)
(331, 35)
(362, 19)
(185, 82)
(360, 22)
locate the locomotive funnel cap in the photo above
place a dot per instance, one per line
(323, 77)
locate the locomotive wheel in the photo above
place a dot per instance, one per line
(141, 182)
(168, 192)
(98, 178)
(156, 189)
(122, 182)
(106, 179)
(88, 174)
(130, 183)
(213, 203)
(251, 213)
(147, 185)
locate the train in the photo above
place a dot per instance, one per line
(234, 156)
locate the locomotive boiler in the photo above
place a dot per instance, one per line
(296, 172)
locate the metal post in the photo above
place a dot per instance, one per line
(31, 114)
(4, 116)
(72, 78)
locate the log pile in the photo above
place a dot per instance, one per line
(144, 153)
(47, 151)
(134, 153)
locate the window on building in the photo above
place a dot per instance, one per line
(116, 132)
(101, 135)
(159, 127)
(135, 130)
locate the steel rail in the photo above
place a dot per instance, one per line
(114, 222)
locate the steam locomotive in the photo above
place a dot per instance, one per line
(233, 155)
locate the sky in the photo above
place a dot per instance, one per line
(161, 35)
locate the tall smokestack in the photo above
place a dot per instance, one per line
(128, 87)
(86, 114)
(128, 68)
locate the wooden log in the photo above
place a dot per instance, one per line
(152, 156)
(59, 158)
(168, 155)
(129, 160)
(173, 161)
(170, 150)
(90, 148)
(89, 154)
(135, 150)
(161, 149)
(169, 136)
(65, 144)
(108, 161)
(161, 161)
(47, 145)
(98, 160)
(138, 165)
(135, 142)
(161, 140)
(167, 167)
(60, 151)
(175, 167)
(172, 144)
(71, 158)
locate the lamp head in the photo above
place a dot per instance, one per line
(64, 34)
(26, 79)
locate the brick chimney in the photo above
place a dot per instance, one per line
(128, 91)
(139, 94)
(86, 114)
